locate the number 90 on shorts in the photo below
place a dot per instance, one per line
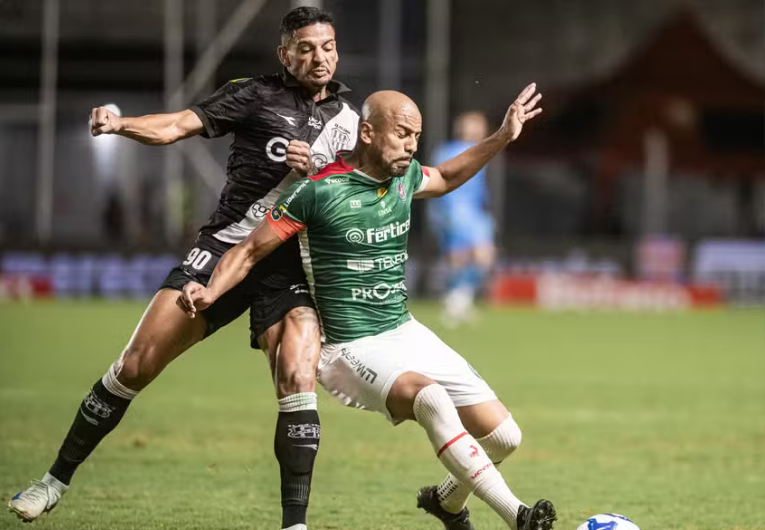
(197, 258)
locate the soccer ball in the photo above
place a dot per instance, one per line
(608, 521)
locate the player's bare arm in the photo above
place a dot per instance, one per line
(153, 129)
(230, 270)
(453, 173)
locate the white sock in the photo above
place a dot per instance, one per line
(296, 527)
(110, 382)
(53, 482)
(499, 444)
(296, 402)
(461, 454)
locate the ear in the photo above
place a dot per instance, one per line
(366, 132)
(284, 57)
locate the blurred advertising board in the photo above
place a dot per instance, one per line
(660, 258)
(575, 292)
(35, 275)
(735, 266)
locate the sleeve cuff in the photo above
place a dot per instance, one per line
(209, 131)
(425, 181)
(284, 226)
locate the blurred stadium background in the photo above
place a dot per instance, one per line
(648, 162)
(640, 190)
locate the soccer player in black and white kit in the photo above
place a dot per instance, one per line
(284, 126)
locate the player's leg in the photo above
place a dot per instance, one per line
(293, 346)
(458, 300)
(471, 256)
(286, 326)
(483, 416)
(415, 396)
(162, 334)
(402, 375)
(499, 435)
(483, 257)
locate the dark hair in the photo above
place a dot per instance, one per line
(301, 17)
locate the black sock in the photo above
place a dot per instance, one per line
(296, 444)
(99, 414)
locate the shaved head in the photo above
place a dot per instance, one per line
(389, 130)
(387, 105)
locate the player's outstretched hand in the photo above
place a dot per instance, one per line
(103, 121)
(299, 157)
(521, 111)
(195, 297)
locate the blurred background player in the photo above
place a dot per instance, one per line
(462, 225)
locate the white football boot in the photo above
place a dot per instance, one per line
(39, 498)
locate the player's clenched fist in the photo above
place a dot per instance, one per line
(299, 157)
(103, 121)
(195, 297)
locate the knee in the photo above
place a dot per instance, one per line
(137, 366)
(295, 379)
(406, 399)
(502, 441)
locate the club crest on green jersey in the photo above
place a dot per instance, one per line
(277, 213)
(401, 190)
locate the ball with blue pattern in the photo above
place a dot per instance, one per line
(608, 521)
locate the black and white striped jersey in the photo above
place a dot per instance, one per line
(263, 115)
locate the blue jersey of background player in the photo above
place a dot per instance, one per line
(462, 225)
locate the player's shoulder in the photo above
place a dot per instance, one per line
(413, 178)
(239, 83)
(349, 105)
(299, 191)
(261, 85)
(271, 83)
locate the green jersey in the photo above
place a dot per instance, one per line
(353, 233)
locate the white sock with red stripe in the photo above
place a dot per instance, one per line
(461, 454)
(499, 444)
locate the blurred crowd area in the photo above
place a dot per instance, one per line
(646, 163)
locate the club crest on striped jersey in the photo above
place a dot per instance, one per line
(340, 138)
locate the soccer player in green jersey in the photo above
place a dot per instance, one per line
(352, 221)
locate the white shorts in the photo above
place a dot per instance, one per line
(360, 373)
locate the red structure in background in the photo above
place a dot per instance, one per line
(679, 83)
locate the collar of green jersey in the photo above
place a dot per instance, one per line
(341, 156)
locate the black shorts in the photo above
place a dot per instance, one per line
(274, 287)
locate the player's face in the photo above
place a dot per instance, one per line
(472, 127)
(395, 144)
(311, 55)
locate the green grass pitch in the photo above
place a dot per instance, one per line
(658, 417)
